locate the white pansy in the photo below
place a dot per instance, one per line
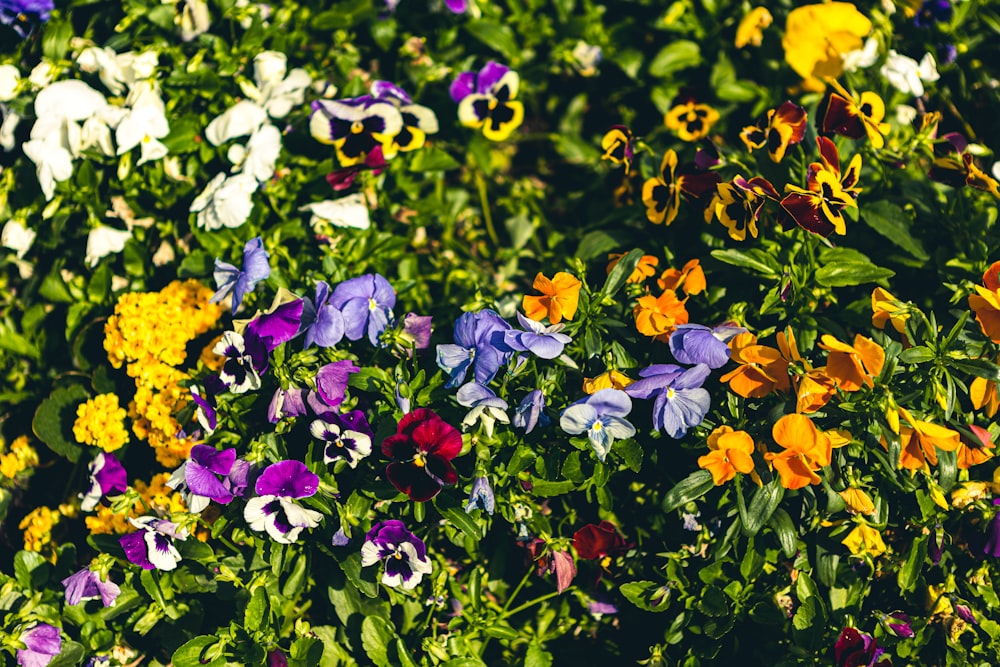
(861, 58)
(10, 79)
(53, 163)
(105, 63)
(349, 211)
(928, 69)
(907, 75)
(274, 91)
(225, 202)
(10, 120)
(144, 127)
(905, 114)
(238, 121)
(71, 99)
(193, 19)
(269, 67)
(17, 237)
(43, 74)
(103, 241)
(262, 153)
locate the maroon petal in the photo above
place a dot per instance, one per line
(437, 437)
(413, 481)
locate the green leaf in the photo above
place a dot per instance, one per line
(909, 574)
(258, 611)
(53, 287)
(631, 451)
(916, 355)
(72, 654)
(31, 569)
(496, 36)
(890, 221)
(547, 489)
(53, 422)
(690, 488)
(843, 274)
(763, 265)
(623, 269)
(376, 634)
(647, 595)
(537, 656)
(713, 602)
(765, 500)
(464, 662)
(195, 653)
(432, 158)
(783, 526)
(674, 57)
(978, 367)
(351, 565)
(458, 517)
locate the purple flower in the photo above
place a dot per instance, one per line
(486, 406)
(476, 337)
(933, 11)
(355, 126)
(486, 100)
(322, 321)
(341, 538)
(964, 612)
(680, 402)
(277, 658)
(286, 403)
(273, 510)
(545, 342)
(481, 496)
(341, 179)
(402, 402)
(935, 546)
(240, 282)
(332, 379)
(857, 649)
(246, 360)
(404, 554)
(15, 13)
(598, 608)
(87, 585)
(898, 624)
(416, 333)
(418, 121)
(278, 325)
(366, 302)
(457, 6)
(697, 344)
(107, 477)
(204, 476)
(602, 417)
(564, 567)
(41, 644)
(152, 546)
(531, 412)
(346, 437)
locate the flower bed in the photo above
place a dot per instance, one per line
(475, 334)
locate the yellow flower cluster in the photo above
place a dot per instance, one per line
(101, 422)
(37, 527)
(156, 497)
(20, 457)
(149, 333)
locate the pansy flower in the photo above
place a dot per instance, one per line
(366, 303)
(985, 303)
(484, 406)
(152, 546)
(887, 308)
(321, 320)
(853, 365)
(601, 416)
(806, 449)
(331, 383)
(690, 278)
(786, 126)
(356, 126)
(23, 16)
(662, 193)
(341, 179)
(680, 401)
(853, 117)
(658, 316)
(646, 268)
(697, 344)
(762, 369)
(478, 345)
(864, 540)
(281, 323)
(107, 477)
(204, 476)
(818, 35)
(530, 412)
(957, 168)
(560, 297)
(730, 452)
(42, 642)
(739, 204)
(819, 208)
(617, 146)
(976, 447)
(346, 437)
(289, 402)
(418, 121)
(691, 121)
(403, 553)
(86, 584)
(246, 360)
(240, 282)
(481, 496)
(920, 441)
(545, 342)
(206, 405)
(421, 452)
(274, 510)
(486, 100)
(750, 31)
(598, 542)
(854, 649)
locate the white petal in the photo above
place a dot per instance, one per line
(52, 164)
(269, 67)
(238, 121)
(262, 152)
(103, 241)
(10, 77)
(17, 237)
(7, 129)
(162, 560)
(152, 149)
(71, 99)
(349, 211)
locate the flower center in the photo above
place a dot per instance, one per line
(597, 427)
(371, 303)
(419, 460)
(671, 393)
(357, 127)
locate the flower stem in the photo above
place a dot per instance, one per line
(485, 203)
(531, 603)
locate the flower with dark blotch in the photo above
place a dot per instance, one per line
(274, 510)
(341, 179)
(738, 205)
(662, 193)
(858, 649)
(403, 553)
(819, 207)
(86, 584)
(346, 437)
(474, 348)
(356, 126)
(23, 16)
(597, 542)
(531, 412)
(204, 476)
(854, 117)
(617, 146)
(41, 642)
(246, 360)
(786, 126)
(366, 303)
(240, 282)
(933, 11)
(421, 451)
(107, 477)
(486, 100)
(418, 121)
(152, 546)
(680, 402)
(481, 496)
(691, 121)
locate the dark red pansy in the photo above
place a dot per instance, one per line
(595, 542)
(421, 451)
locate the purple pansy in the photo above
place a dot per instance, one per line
(545, 342)
(289, 402)
(680, 402)
(355, 126)
(457, 6)
(598, 608)
(246, 360)
(486, 100)
(601, 416)
(898, 624)
(341, 538)
(404, 554)
(415, 333)
(418, 121)
(274, 509)
(481, 496)
(321, 320)
(331, 384)
(18, 14)
(107, 477)
(697, 344)
(41, 644)
(152, 546)
(87, 585)
(346, 437)
(366, 303)
(964, 612)
(478, 344)
(242, 281)
(204, 476)
(531, 412)
(485, 406)
(933, 11)
(278, 325)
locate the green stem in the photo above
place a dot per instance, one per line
(517, 590)
(485, 203)
(531, 603)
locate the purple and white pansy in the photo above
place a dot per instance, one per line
(478, 346)
(366, 302)
(240, 282)
(274, 509)
(486, 100)
(485, 406)
(346, 437)
(86, 584)
(107, 477)
(355, 126)
(680, 401)
(601, 416)
(545, 342)
(246, 360)
(152, 546)
(403, 553)
(209, 475)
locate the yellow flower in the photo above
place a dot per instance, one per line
(887, 308)
(967, 493)
(857, 501)
(107, 522)
(101, 422)
(864, 541)
(20, 457)
(560, 298)
(751, 28)
(611, 379)
(691, 121)
(817, 36)
(983, 394)
(37, 527)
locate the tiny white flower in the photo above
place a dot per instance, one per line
(103, 241)
(907, 75)
(861, 58)
(53, 164)
(349, 211)
(144, 127)
(10, 79)
(226, 201)
(42, 74)
(17, 237)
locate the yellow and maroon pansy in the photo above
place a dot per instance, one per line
(738, 205)
(855, 118)
(785, 126)
(691, 121)
(662, 194)
(617, 146)
(818, 209)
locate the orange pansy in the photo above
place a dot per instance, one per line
(973, 451)
(986, 304)
(731, 452)
(887, 308)
(983, 394)
(559, 300)
(644, 269)
(853, 365)
(806, 450)
(690, 277)
(658, 316)
(920, 441)
(761, 370)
